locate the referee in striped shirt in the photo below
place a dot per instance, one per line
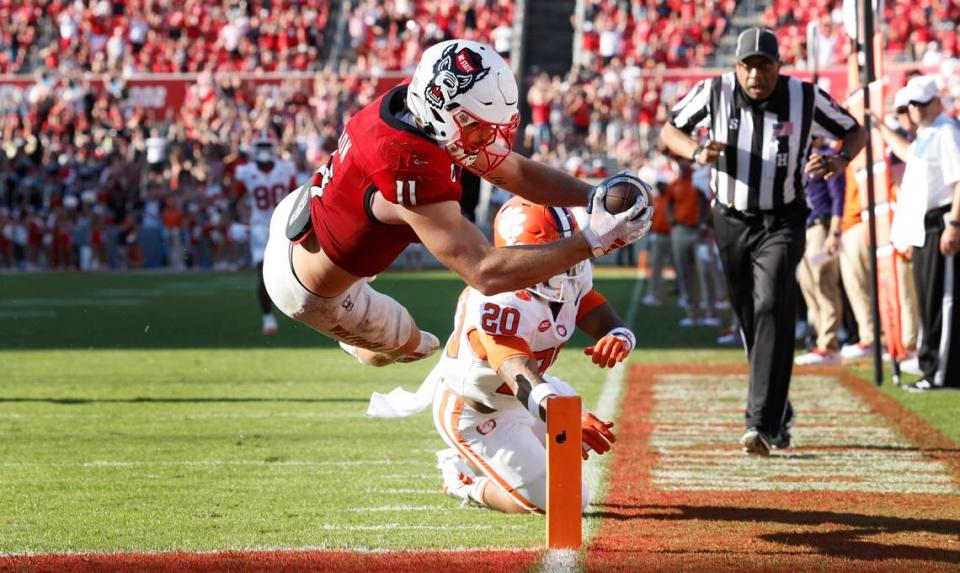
(759, 125)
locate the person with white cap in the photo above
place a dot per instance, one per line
(928, 218)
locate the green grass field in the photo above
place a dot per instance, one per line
(147, 412)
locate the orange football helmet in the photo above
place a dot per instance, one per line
(521, 222)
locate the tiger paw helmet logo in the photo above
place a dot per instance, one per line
(510, 224)
(453, 74)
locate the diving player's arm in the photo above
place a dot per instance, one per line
(539, 182)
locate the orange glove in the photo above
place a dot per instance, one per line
(596, 434)
(612, 348)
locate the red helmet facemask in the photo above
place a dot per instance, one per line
(480, 145)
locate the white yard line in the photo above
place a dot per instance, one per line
(209, 463)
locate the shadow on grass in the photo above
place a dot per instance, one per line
(846, 543)
(147, 400)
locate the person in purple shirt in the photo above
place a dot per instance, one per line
(819, 271)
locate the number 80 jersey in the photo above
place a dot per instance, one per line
(265, 189)
(491, 328)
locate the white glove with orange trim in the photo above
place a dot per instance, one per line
(612, 348)
(597, 436)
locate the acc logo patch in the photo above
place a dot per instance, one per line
(487, 427)
(561, 330)
(544, 326)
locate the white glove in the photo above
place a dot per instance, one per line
(605, 232)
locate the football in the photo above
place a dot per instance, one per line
(621, 196)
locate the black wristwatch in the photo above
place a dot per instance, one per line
(954, 222)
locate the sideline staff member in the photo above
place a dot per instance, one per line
(928, 218)
(760, 125)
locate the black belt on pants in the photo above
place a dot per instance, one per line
(934, 217)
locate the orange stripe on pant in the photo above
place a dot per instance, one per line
(449, 422)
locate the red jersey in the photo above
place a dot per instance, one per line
(378, 152)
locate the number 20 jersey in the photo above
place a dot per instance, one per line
(521, 314)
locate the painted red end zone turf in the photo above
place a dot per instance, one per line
(278, 562)
(643, 528)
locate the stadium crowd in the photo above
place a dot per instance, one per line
(83, 176)
(87, 179)
(924, 32)
(653, 32)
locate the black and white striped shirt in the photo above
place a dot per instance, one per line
(768, 143)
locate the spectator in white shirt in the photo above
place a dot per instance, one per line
(928, 218)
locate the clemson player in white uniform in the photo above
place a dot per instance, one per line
(265, 182)
(489, 405)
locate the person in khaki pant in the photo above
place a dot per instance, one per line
(819, 270)
(854, 269)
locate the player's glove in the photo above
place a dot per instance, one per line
(605, 232)
(612, 348)
(597, 436)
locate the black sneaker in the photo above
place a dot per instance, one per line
(756, 442)
(782, 440)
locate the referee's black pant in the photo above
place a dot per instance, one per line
(760, 254)
(938, 289)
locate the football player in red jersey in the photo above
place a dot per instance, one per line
(395, 179)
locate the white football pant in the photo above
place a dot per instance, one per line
(359, 316)
(507, 446)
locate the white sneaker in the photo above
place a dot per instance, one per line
(270, 324)
(711, 321)
(650, 300)
(911, 366)
(854, 351)
(817, 356)
(688, 322)
(458, 476)
(730, 337)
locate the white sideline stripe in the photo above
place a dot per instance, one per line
(264, 549)
(560, 561)
(409, 527)
(565, 560)
(208, 463)
(402, 490)
(387, 508)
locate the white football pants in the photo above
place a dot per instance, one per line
(359, 316)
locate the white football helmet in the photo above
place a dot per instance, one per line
(465, 96)
(264, 149)
(520, 222)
